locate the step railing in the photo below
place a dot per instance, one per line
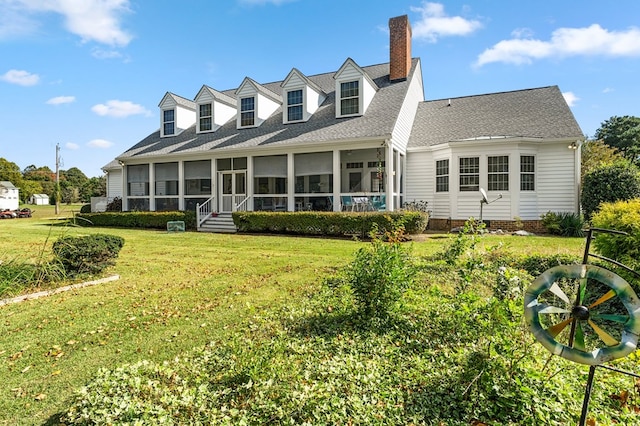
(204, 211)
(242, 205)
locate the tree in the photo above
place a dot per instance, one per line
(596, 153)
(93, 187)
(609, 183)
(10, 172)
(622, 133)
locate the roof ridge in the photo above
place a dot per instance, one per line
(492, 93)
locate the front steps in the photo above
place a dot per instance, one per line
(221, 224)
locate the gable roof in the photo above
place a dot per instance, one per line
(218, 96)
(6, 184)
(322, 126)
(179, 100)
(260, 89)
(305, 80)
(540, 113)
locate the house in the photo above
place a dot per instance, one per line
(9, 196)
(39, 199)
(356, 138)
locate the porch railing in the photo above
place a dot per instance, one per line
(204, 210)
(242, 205)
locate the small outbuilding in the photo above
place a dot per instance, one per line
(39, 199)
(9, 196)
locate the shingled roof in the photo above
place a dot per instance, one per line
(322, 127)
(540, 113)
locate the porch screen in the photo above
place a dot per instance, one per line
(138, 180)
(166, 171)
(272, 166)
(319, 163)
(197, 170)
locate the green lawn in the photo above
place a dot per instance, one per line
(176, 291)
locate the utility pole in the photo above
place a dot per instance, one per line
(57, 188)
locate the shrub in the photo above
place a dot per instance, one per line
(115, 205)
(86, 208)
(87, 254)
(622, 216)
(329, 223)
(150, 220)
(378, 276)
(566, 224)
(609, 183)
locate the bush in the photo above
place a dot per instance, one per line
(86, 208)
(115, 205)
(87, 254)
(150, 220)
(566, 224)
(609, 183)
(621, 216)
(330, 223)
(378, 276)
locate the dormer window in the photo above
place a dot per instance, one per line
(294, 105)
(205, 118)
(350, 98)
(169, 122)
(247, 111)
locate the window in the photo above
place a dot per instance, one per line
(138, 181)
(349, 98)
(168, 122)
(354, 165)
(294, 105)
(197, 177)
(527, 173)
(377, 181)
(355, 182)
(498, 168)
(247, 111)
(442, 175)
(166, 177)
(469, 173)
(206, 118)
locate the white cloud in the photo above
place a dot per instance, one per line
(100, 143)
(58, 100)
(571, 98)
(115, 108)
(434, 23)
(23, 78)
(589, 41)
(71, 145)
(105, 54)
(92, 20)
(608, 90)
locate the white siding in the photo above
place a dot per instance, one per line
(312, 102)
(415, 94)
(351, 72)
(420, 177)
(185, 118)
(368, 92)
(265, 107)
(114, 184)
(222, 113)
(556, 187)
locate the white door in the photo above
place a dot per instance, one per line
(232, 188)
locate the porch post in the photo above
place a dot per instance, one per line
(397, 169)
(214, 185)
(291, 183)
(125, 189)
(152, 187)
(337, 184)
(249, 183)
(389, 166)
(180, 185)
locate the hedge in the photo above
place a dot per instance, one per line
(329, 223)
(149, 220)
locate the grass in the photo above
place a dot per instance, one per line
(177, 291)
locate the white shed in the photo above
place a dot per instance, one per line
(9, 196)
(39, 199)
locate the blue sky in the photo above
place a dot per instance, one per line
(89, 74)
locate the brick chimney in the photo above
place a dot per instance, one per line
(400, 47)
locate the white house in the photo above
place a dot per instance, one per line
(357, 138)
(9, 196)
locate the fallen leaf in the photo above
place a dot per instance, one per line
(55, 373)
(24, 370)
(40, 397)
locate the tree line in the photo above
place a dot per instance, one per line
(74, 186)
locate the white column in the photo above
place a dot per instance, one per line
(337, 181)
(180, 185)
(389, 168)
(249, 183)
(291, 183)
(152, 187)
(125, 189)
